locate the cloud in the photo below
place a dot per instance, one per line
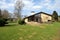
(3, 0)
(30, 5)
(37, 7)
(53, 5)
(3, 4)
(57, 4)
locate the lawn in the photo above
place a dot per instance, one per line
(14, 31)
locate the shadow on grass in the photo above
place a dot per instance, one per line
(11, 25)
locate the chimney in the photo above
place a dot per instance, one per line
(32, 12)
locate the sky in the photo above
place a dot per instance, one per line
(47, 6)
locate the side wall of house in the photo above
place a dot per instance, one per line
(26, 20)
(45, 18)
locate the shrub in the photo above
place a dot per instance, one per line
(21, 22)
(3, 22)
(6, 21)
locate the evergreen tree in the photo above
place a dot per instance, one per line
(55, 16)
(2, 21)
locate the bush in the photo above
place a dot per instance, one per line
(21, 22)
(3, 22)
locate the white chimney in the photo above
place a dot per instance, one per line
(32, 13)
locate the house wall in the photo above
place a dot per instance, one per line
(41, 18)
(37, 18)
(26, 20)
(45, 18)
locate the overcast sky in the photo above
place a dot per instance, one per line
(47, 6)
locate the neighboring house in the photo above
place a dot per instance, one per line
(40, 17)
(58, 18)
(13, 19)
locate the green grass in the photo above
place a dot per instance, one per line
(14, 31)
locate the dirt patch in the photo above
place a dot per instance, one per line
(34, 24)
(30, 36)
(42, 27)
(21, 38)
(57, 36)
(21, 29)
(34, 33)
(12, 39)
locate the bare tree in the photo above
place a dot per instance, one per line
(10, 15)
(18, 8)
(5, 14)
(0, 13)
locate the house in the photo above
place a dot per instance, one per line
(40, 17)
(59, 18)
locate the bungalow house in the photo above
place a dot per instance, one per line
(40, 17)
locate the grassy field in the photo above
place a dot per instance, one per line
(14, 31)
